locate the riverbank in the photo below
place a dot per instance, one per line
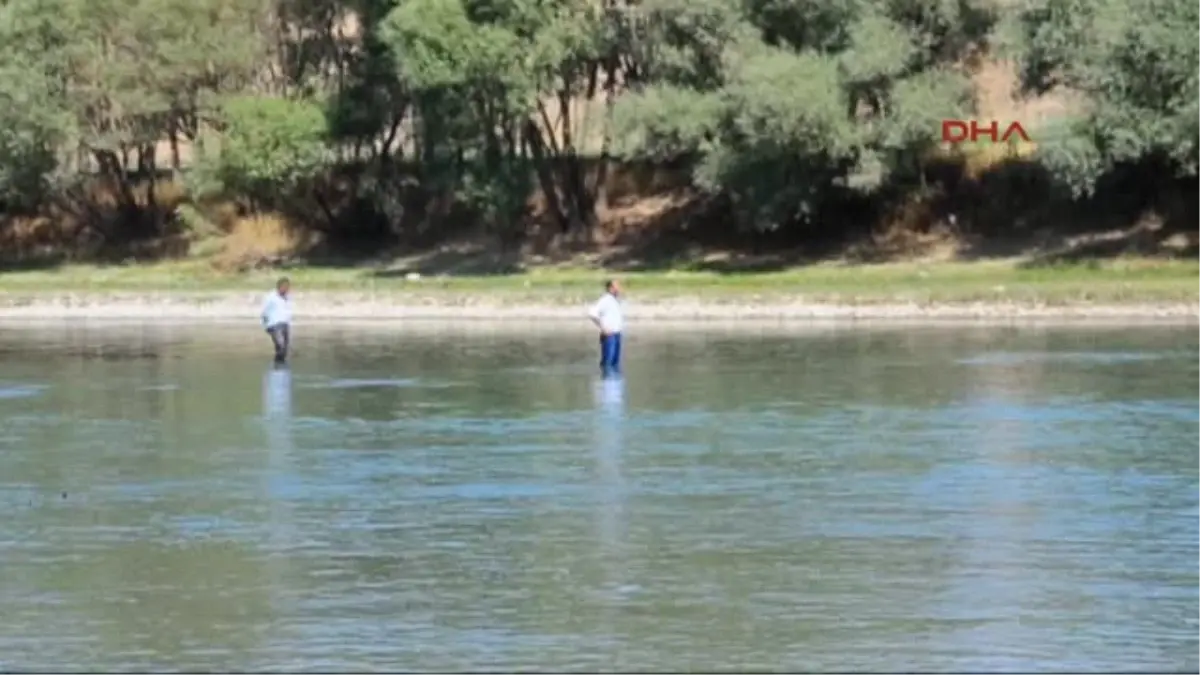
(336, 307)
(1122, 290)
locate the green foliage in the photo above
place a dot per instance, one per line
(665, 121)
(32, 128)
(270, 144)
(780, 108)
(497, 197)
(813, 98)
(437, 45)
(102, 78)
(1135, 60)
(34, 124)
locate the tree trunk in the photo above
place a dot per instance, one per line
(113, 168)
(175, 163)
(579, 206)
(545, 175)
(148, 167)
(600, 188)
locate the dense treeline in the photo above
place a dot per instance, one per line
(365, 117)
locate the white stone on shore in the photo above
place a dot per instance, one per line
(317, 307)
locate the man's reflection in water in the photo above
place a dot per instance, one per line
(277, 416)
(277, 394)
(609, 442)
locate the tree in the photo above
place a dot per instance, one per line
(267, 147)
(784, 106)
(1136, 61)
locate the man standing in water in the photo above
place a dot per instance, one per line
(277, 319)
(606, 314)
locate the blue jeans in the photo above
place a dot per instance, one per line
(610, 353)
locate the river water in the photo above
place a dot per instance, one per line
(954, 499)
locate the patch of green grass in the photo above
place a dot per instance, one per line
(1123, 281)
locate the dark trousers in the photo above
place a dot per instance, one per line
(281, 338)
(610, 354)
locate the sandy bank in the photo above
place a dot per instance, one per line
(321, 307)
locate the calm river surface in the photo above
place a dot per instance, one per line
(966, 499)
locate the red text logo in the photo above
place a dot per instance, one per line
(962, 131)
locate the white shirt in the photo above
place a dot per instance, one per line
(277, 309)
(607, 311)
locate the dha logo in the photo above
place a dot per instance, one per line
(963, 131)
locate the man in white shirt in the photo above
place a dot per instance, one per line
(606, 314)
(277, 319)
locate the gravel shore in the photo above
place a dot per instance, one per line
(330, 306)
